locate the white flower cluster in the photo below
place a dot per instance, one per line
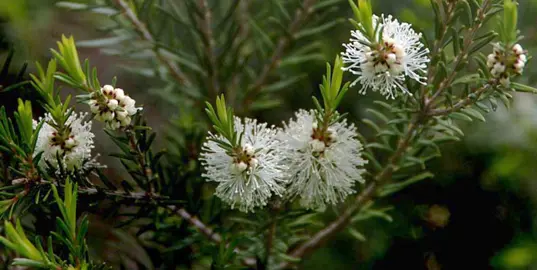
(248, 177)
(112, 106)
(324, 164)
(72, 146)
(318, 165)
(384, 65)
(503, 63)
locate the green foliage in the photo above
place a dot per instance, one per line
(69, 233)
(363, 12)
(510, 18)
(331, 89)
(223, 121)
(194, 51)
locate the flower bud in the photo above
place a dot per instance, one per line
(70, 143)
(112, 104)
(505, 81)
(107, 90)
(522, 58)
(389, 42)
(399, 52)
(499, 67)
(518, 49)
(95, 108)
(121, 114)
(519, 66)
(253, 163)
(119, 94)
(108, 116)
(391, 58)
(332, 135)
(239, 167)
(380, 68)
(317, 146)
(491, 60)
(125, 121)
(249, 149)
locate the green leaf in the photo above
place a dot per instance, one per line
(396, 187)
(510, 17)
(523, 88)
(460, 116)
(356, 234)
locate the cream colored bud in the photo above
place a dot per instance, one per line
(239, 167)
(399, 52)
(519, 65)
(253, 163)
(491, 60)
(391, 58)
(499, 67)
(518, 49)
(249, 149)
(523, 58)
(95, 108)
(121, 114)
(112, 104)
(389, 42)
(119, 94)
(332, 135)
(505, 81)
(108, 116)
(317, 146)
(380, 68)
(107, 90)
(70, 143)
(125, 121)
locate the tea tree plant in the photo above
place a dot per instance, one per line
(232, 191)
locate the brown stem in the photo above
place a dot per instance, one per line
(462, 103)
(438, 43)
(208, 232)
(362, 198)
(300, 16)
(195, 222)
(144, 33)
(144, 168)
(463, 55)
(209, 47)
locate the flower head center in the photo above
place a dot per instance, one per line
(65, 140)
(321, 138)
(386, 56)
(244, 159)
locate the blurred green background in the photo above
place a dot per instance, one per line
(480, 210)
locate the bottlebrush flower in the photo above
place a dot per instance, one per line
(383, 65)
(113, 107)
(323, 165)
(72, 146)
(249, 175)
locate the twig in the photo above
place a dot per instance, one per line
(200, 226)
(209, 46)
(462, 103)
(361, 199)
(438, 43)
(144, 33)
(300, 16)
(462, 56)
(208, 232)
